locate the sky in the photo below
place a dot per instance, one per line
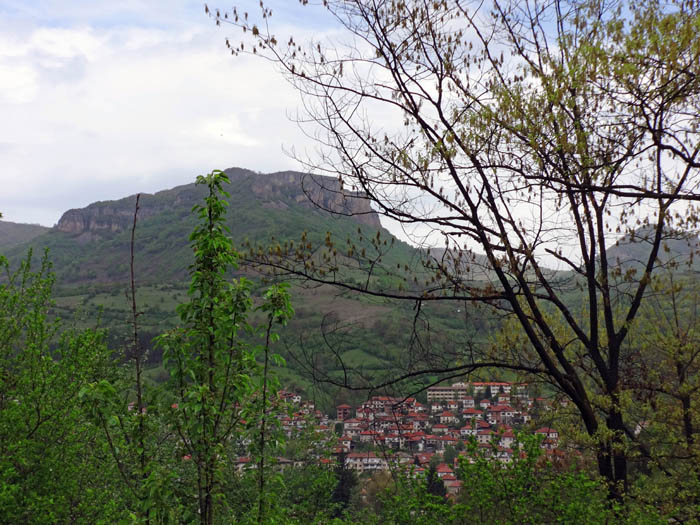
(101, 100)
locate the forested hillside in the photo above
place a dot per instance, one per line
(13, 234)
(89, 249)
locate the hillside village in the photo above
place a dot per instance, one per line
(385, 433)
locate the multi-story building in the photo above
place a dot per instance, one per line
(364, 461)
(343, 412)
(455, 392)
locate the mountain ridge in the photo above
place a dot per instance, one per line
(90, 246)
(273, 189)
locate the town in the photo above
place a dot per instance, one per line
(386, 433)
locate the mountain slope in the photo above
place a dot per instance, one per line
(678, 249)
(90, 246)
(90, 249)
(14, 234)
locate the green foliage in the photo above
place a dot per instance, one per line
(173, 445)
(64, 460)
(50, 470)
(210, 366)
(217, 387)
(301, 496)
(139, 445)
(433, 484)
(528, 489)
(411, 503)
(346, 481)
(75, 447)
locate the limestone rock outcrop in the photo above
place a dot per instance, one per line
(275, 190)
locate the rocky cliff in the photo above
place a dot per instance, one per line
(310, 191)
(95, 219)
(276, 190)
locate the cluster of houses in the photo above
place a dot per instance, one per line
(487, 413)
(303, 414)
(386, 432)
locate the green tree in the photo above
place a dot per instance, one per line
(666, 403)
(216, 385)
(346, 481)
(450, 453)
(529, 488)
(433, 484)
(50, 468)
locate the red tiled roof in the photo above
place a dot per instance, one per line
(501, 408)
(443, 467)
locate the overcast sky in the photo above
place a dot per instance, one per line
(101, 100)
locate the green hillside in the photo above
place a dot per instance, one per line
(14, 234)
(95, 253)
(90, 252)
(678, 249)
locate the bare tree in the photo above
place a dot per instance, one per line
(536, 132)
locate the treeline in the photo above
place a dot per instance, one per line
(84, 438)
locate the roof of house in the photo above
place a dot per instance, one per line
(443, 467)
(501, 408)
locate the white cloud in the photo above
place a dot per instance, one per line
(18, 83)
(92, 114)
(59, 43)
